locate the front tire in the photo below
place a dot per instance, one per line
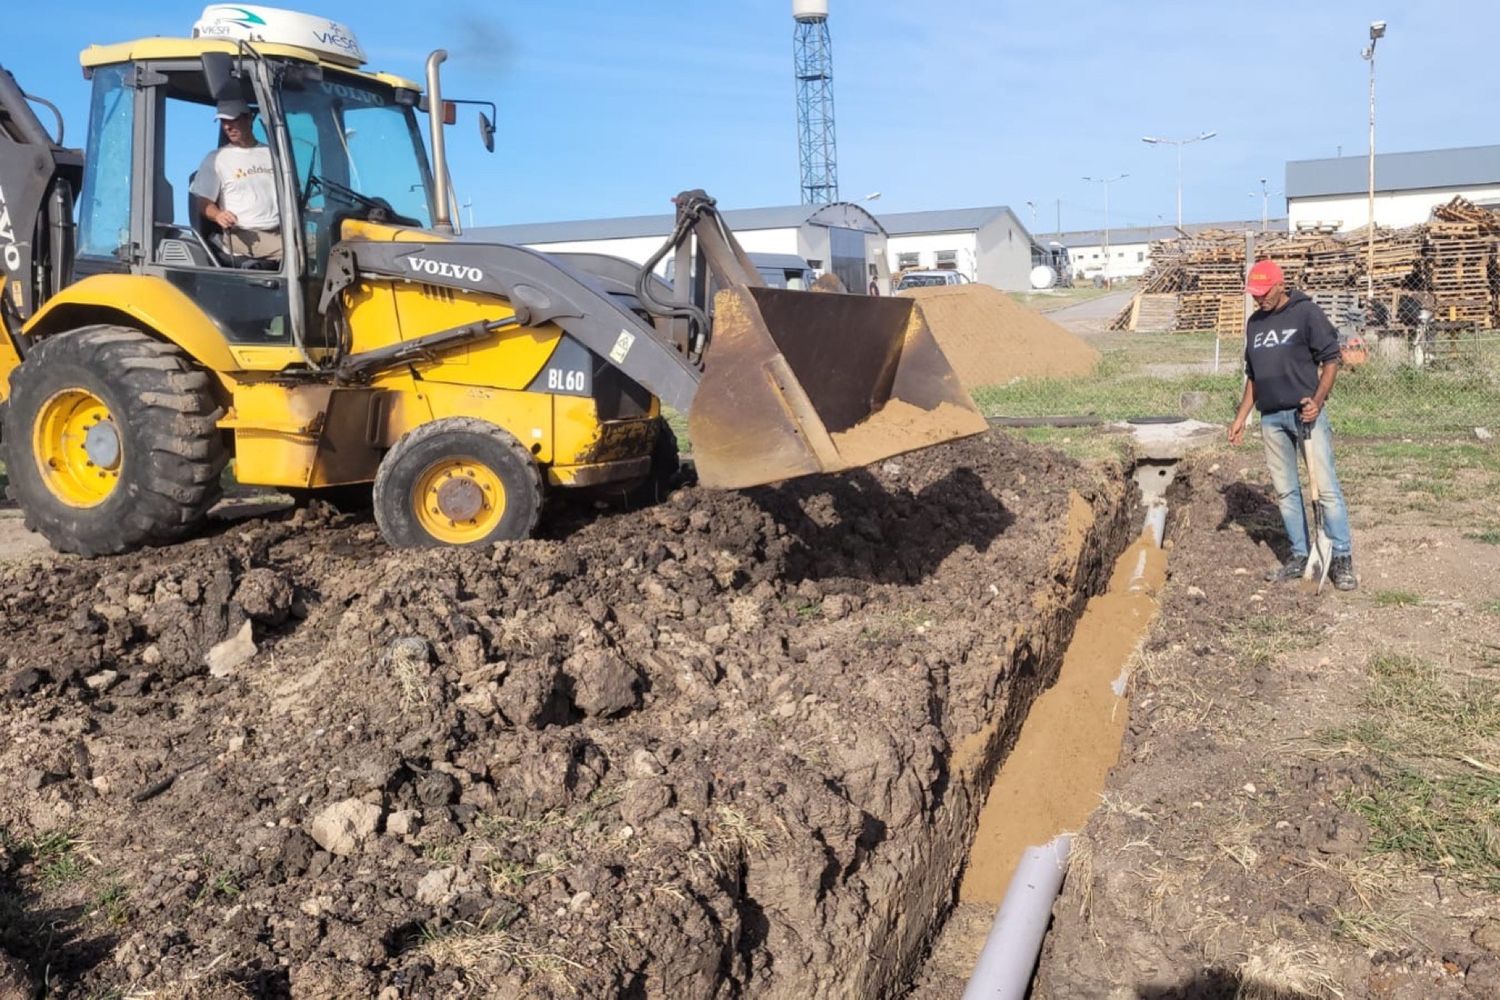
(111, 441)
(457, 481)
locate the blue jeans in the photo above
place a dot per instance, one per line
(1279, 432)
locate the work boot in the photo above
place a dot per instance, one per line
(1341, 572)
(1289, 570)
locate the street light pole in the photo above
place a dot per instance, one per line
(1106, 181)
(1179, 143)
(1265, 197)
(1377, 32)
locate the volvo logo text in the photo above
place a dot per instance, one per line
(10, 254)
(443, 269)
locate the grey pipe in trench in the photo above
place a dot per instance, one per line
(1008, 959)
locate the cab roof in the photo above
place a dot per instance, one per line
(188, 48)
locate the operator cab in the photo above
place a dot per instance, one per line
(350, 149)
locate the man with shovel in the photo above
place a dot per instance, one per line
(1291, 360)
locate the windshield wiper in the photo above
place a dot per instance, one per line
(380, 209)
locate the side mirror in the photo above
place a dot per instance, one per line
(486, 132)
(218, 73)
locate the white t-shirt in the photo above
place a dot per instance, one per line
(241, 180)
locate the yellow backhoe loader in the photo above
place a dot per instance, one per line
(139, 355)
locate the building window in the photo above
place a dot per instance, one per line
(1140, 255)
(947, 260)
(906, 260)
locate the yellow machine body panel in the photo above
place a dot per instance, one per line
(147, 301)
(154, 304)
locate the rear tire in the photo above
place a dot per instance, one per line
(457, 481)
(111, 441)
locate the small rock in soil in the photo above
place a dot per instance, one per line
(1488, 936)
(265, 596)
(231, 654)
(26, 681)
(603, 683)
(344, 826)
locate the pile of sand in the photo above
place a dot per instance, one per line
(990, 338)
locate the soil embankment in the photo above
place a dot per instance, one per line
(710, 748)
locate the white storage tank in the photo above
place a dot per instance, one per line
(810, 10)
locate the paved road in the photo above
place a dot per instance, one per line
(1093, 315)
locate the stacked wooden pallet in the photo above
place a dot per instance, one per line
(1449, 266)
(1461, 240)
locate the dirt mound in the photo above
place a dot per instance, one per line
(707, 749)
(990, 339)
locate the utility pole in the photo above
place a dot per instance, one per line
(1106, 181)
(1377, 32)
(1179, 143)
(1059, 216)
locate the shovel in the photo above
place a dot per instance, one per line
(1320, 552)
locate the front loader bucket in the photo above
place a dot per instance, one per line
(801, 382)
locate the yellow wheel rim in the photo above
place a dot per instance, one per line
(459, 500)
(78, 448)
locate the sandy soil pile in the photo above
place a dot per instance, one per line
(707, 749)
(990, 338)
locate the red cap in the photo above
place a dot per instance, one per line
(1265, 275)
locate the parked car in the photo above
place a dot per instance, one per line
(928, 279)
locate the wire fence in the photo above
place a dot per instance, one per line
(1409, 383)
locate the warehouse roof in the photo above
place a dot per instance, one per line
(946, 220)
(1431, 168)
(1145, 234)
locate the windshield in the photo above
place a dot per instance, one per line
(352, 133)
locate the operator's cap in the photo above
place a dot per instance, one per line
(1264, 276)
(231, 109)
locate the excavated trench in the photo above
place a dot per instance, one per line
(735, 745)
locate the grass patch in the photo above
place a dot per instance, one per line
(1490, 537)
(1493, 607)
(111, 904)
(1148, 374)
(1261, 640)
(1444, 822)
(1396, 599)
(1436, 798)
(1086, 444)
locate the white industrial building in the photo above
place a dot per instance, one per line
(1129, 249)
(985, 244)
(1334, 193)
(988, 245)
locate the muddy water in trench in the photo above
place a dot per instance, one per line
(1051, 780)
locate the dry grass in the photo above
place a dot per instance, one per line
(482, 950)
(1283, 971)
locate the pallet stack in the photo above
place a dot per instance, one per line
(1450, 266)
(1462, 240)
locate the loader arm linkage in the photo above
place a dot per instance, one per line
(775, 383)
(39, 178)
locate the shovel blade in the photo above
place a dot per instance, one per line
(797, 383)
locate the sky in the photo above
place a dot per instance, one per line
(609, 108)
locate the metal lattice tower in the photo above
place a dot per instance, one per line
(813, 56)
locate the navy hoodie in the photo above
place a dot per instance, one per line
(1283, 350)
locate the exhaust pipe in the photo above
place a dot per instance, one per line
(442, 219)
